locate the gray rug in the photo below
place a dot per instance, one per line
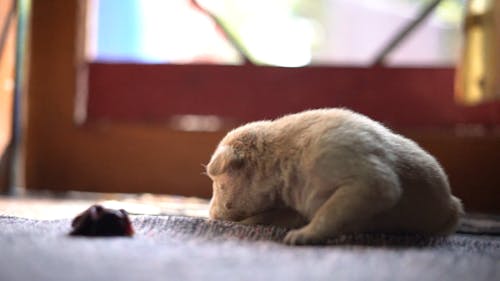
(187, 248)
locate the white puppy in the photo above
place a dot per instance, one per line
(327, 172)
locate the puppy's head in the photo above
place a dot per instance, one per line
(240, 188)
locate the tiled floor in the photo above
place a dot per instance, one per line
(52, 207)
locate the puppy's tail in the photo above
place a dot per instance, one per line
(456, 210)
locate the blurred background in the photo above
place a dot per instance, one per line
(278, 32)
(132, 96)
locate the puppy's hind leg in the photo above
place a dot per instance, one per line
(349, 207)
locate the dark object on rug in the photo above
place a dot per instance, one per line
(99, 221)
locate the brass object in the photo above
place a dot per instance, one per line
(478, 70)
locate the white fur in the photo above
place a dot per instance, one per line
(327, 172)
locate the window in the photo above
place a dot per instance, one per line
(127, 143)
(276, 32)
(170, 62)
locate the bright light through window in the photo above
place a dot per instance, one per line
(270, 32)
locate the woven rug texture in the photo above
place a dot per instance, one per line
(190, 248)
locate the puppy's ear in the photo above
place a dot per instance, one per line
(225, 158)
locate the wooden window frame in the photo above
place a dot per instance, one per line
(7, 78)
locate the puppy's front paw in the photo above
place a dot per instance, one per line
(302, 236)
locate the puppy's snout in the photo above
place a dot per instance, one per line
(213, 214)
(212, 209)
